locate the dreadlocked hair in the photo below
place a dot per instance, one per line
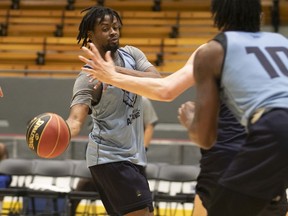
(237, 15)
(93, 16)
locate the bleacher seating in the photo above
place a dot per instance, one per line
(150, 46)
(21, 50)
(198, 23)
(34, 22)
(40, 5)
(5, 4)
(174, 48)
(148, 24)
(283, 11)
(185, 5)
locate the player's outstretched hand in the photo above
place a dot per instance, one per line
(103, 69)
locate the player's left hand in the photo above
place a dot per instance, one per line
(186, 113)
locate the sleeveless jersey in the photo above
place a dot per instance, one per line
(255, 72)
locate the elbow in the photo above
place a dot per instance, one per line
(165, 94)
(204, 142)
(206, 145)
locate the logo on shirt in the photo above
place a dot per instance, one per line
(129, 98)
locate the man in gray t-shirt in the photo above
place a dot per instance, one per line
(115, 153)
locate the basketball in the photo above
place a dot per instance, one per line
(48, 135)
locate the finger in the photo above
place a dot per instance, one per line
(98, 84)
(92, 79)
(105, 86)
(88, 70)
(95, 55)
(88, 52)
(108, 57)
(83, 59)
(87, 61)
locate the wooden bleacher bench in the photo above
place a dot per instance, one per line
(176, 52)
(34, 22)
(180, 49)
(150, 46)
(148, 24)
(3, 15)
(185, 5)
(197, 23)
(283, 10)
(5, 4)
(132, 5)
(43, 4)
(21, 50)
(71, 23)
(62, 51)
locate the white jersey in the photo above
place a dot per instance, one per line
(255, 72)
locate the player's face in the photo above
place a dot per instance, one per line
(106, 34)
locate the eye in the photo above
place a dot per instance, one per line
(116, 28)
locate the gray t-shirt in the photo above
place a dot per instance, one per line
(149, 113)
(117, 115)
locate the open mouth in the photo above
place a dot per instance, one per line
(114, 40)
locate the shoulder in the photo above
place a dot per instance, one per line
(146, 102)
(209, 59)
(132, 50)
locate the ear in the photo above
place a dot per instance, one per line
(90, 35)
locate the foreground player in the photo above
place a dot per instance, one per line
(255, 201)
(248, 70)
(115, 154)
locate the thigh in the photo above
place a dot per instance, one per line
(198, 208)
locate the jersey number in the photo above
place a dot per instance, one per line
(272, 51)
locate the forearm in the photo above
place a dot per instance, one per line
(148, 134)
(76, 119)
(161, 89)
(74, 128)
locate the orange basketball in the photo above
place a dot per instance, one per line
(48, 135)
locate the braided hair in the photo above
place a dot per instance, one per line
(94, 15)
(237, 15)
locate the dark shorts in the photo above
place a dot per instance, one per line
(259, 172)
(274, 208)
(123, 187)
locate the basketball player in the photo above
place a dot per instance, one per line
(150, 119)
(104, 71)
(115, 153)
(247, 70)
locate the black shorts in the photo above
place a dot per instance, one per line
(259, 172)
(123, 187)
